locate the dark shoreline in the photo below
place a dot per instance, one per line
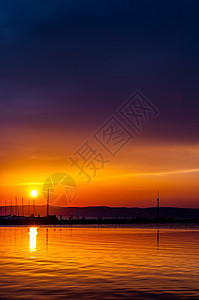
(97, 215)
(53, 220)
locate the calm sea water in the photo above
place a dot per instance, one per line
(99, 263)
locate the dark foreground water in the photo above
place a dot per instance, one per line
(99, 263)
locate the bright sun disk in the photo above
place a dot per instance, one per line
(33, 193)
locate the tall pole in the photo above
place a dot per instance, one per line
(47, 213)
(22, 207)
(16, 206)
(11, 206)
(5, 208)
(29, 208)
(158, 206)
(33, 208)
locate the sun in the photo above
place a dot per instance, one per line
(33, 193)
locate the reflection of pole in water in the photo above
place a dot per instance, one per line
(46, 239)
(158, 239)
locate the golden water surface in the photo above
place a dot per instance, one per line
(99, 263)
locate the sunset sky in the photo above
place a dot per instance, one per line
(66, 67)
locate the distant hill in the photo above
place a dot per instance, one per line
(106, 212)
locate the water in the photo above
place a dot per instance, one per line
(99, 263)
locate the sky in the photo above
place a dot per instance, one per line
(66, 67)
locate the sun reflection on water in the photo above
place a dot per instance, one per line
(33, 239)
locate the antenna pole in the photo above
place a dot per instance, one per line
(11, 206)
(47, 212)
(22, 207)
(29, 209)
(5, 208)
(158, 206)
(33, 209)
(16, 206)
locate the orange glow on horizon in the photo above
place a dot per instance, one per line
(132, 179)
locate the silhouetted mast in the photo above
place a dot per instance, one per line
(22, 207)
(34, 212)
(47, 212)
(5, 208)
(29, 209)
(16, 206)
(11, 207)
(158, 206)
